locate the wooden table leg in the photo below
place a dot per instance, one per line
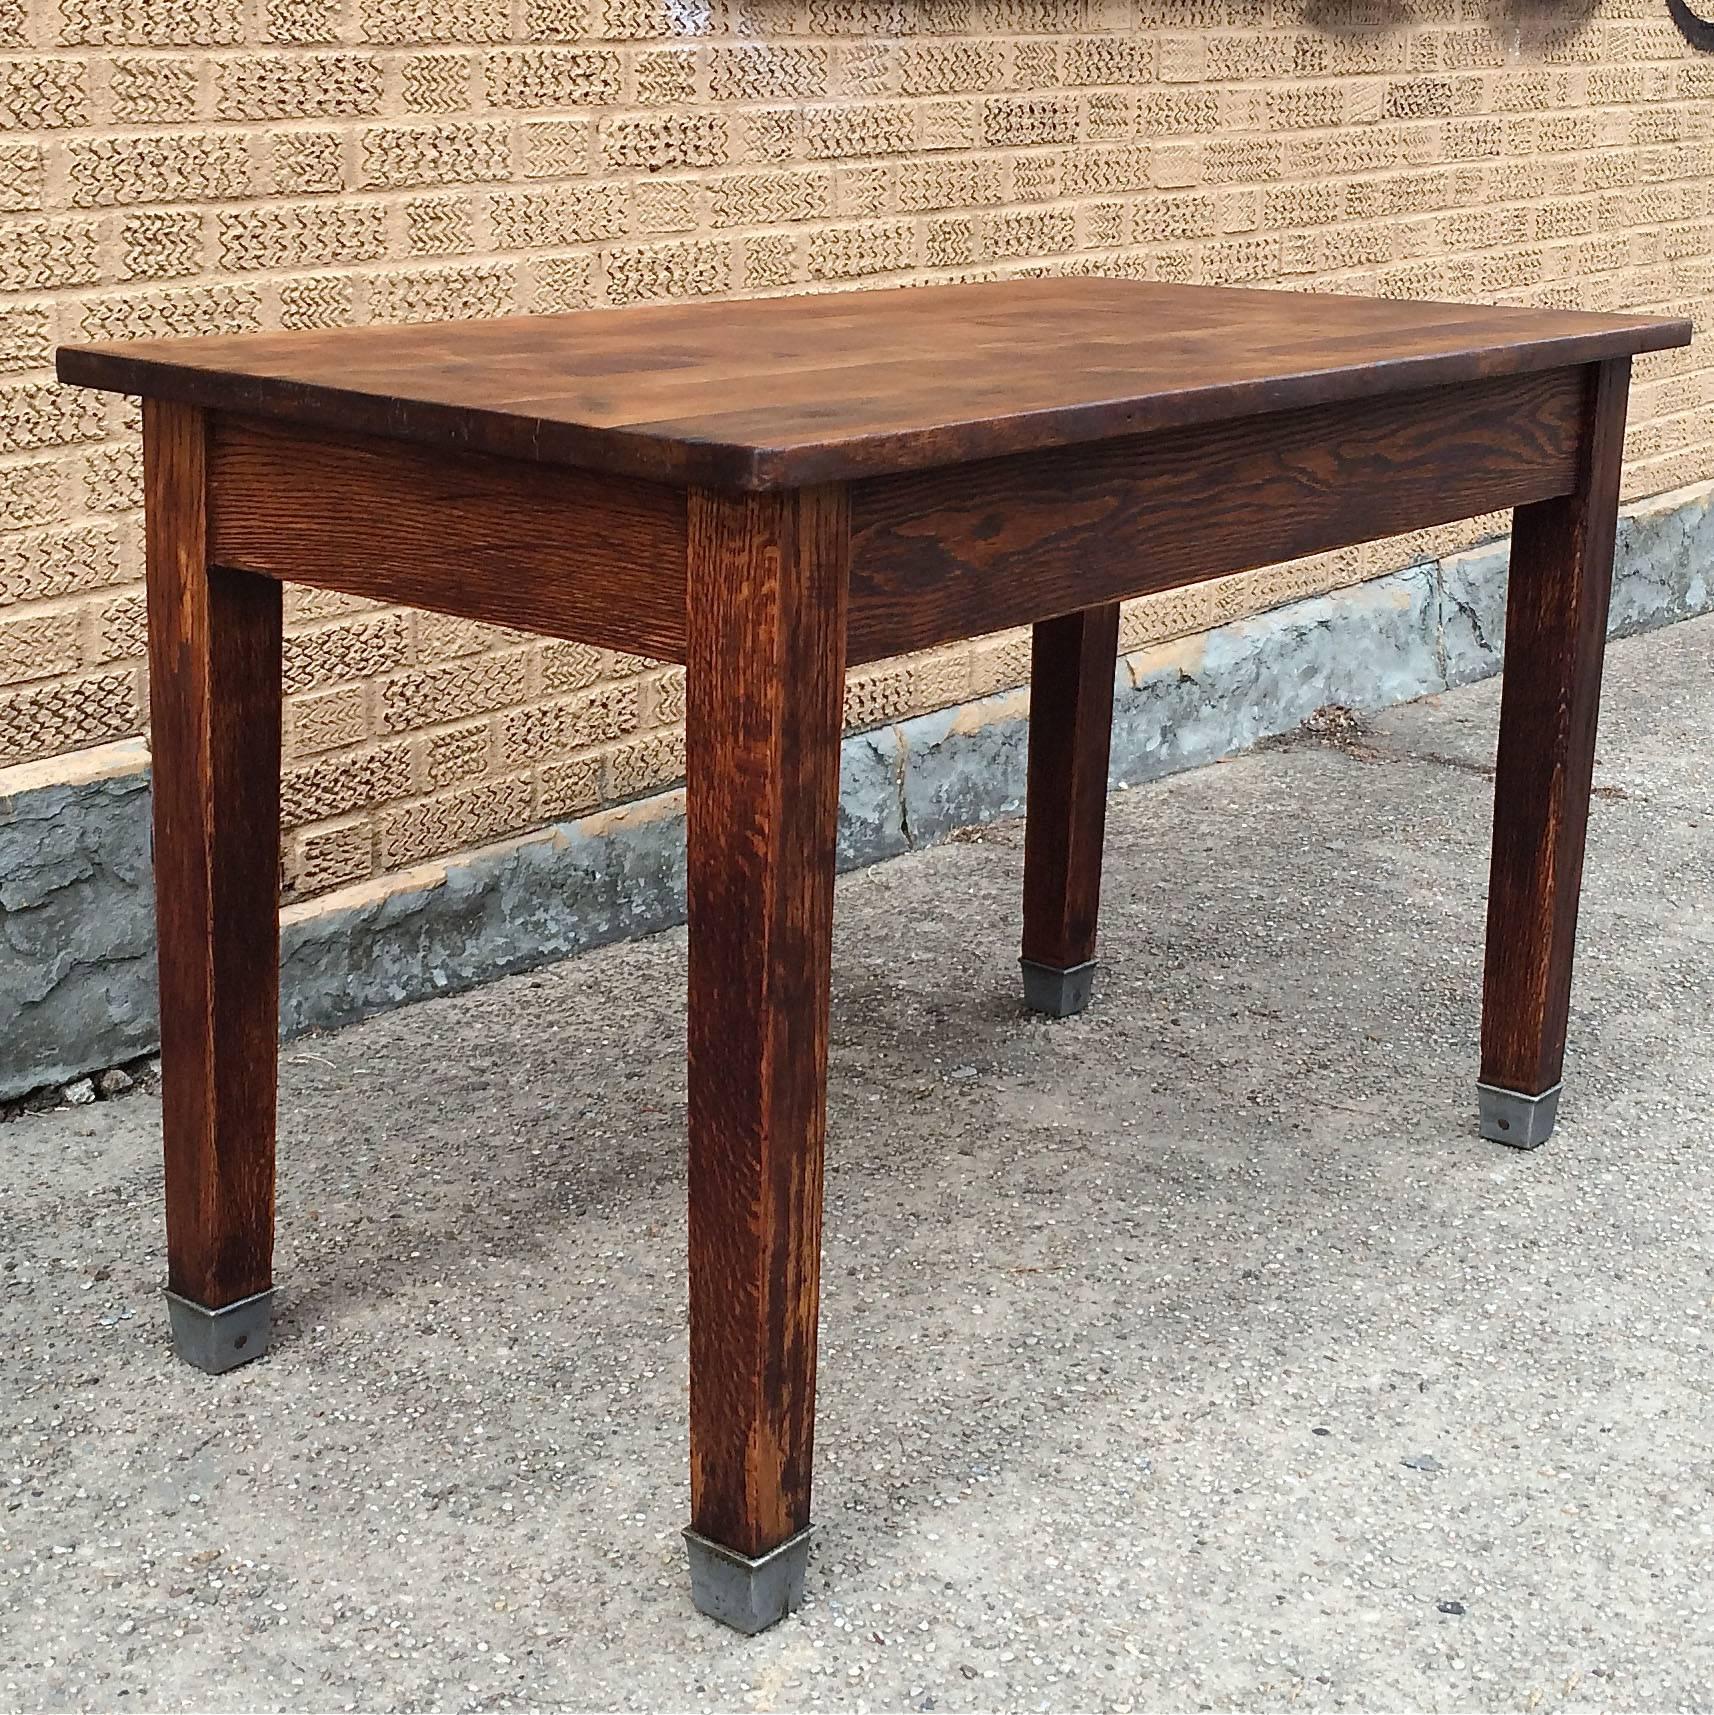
(767, 596)
(1556, 632)
(1072, 665)
(214, 692)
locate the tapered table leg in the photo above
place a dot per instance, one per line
(767, 596)
(1071, 721)
(214, 693)
(1556, 630)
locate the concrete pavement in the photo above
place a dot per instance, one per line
(1194, 1353)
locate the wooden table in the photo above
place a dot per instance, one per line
(770, 492)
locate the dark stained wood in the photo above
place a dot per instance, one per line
(565, 552)
(1072, 664)
(787, 391)
(214, 668)
(765, 690)
(949, 554)
(1556, 631)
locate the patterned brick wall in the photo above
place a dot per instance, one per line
(184, 166)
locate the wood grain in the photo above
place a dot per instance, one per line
(214, 671)
(1072, 663)
(1556, 633)
(781, 392)
(562, 552)
(765, 690)
(947, 555)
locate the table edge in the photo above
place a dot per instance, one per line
(660, 453)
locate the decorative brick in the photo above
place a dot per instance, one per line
(113, 477)
(864, 247)
(860, 128)
(552, 77)
(667, 206)
(318, 301)
(345, 784)
(300, 235)
(121, 630)
(641, 20)
(768, 71)
(166, 167)
(443, 294)
(39, 646)
(297, 86)
(38, 414)
(450, 692)
(456, 152)
(1029, 232)
(762, 199)
(37, 564)
(41, 94)
(569, 723)
(771, 260)
(687, 268)
(150, 23)
(280, 164)
(564, 214)
(26, 337)
(555, 284)
(568, 666)
(338, 855)
(356, 649)
(666, 697)
(948, 184)
(446, 637)
(303, 163)
(1020, 121)
(654, 141)
(45, 720)
(434, 20)
(437, 83)
(326, 720)
(156, 89)
(769, 133)
(664, 77)
(300, 21)
(1126, 59)
(464, 816)
(557, 148)
(30, 491)
(50, 254)
(23, 176)
(439, 225)
(568, 788)
(457, 754)
(643, 765)
(174, 313)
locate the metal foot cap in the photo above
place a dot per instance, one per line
(1510, 1117)
(747, 1595)
(220, 1340)
(1058, 993)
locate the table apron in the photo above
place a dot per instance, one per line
(545, 548)
(946, 554)
(936, 555)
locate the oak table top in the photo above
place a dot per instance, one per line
(782, 392)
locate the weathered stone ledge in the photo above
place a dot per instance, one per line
(76, 918)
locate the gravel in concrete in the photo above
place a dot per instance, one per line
(1194, 1353)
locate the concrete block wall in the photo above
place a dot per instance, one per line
(185, 166)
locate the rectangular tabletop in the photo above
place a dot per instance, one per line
(782, 392)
